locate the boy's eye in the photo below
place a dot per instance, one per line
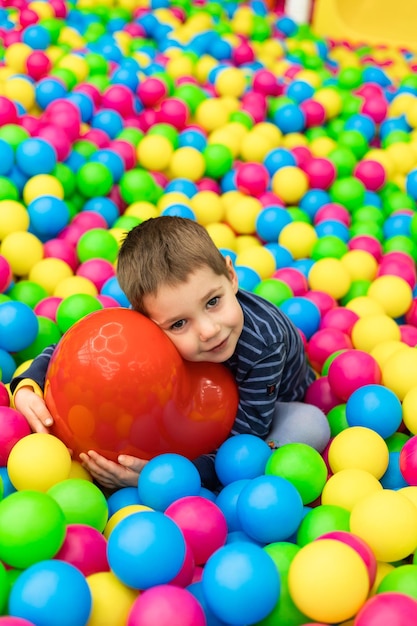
(213, 301)
(178, 325)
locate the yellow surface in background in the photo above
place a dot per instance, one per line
(375, 22)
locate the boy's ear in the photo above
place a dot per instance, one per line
(232, 274)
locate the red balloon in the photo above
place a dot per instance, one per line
(116, 384)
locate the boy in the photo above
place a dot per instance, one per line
(172, 272)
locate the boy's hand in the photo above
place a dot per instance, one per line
(112, 475)
(34, 409)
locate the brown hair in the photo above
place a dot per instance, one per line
(164, 251)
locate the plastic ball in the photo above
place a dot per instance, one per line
(290, 184)
(303, 466)
(13, 427)
(19, 326)
(352, 369)
(111, 600)
(320, 520)
(304, 314)
(241, 457)
(253, 590)
(347, 486)
(408, 407)
(294, 279)
(32, 528)
(166, 478)
(94, 422)
(258, 258)
(386, 521)
(154, 152)
(407, 461)
(13, 217)
(331, 276)
(299, 238)
(375, 407)
(50, 588)
(81, 501)
(328, 581)
(35, 156)
(162, 604)
(202, 523)
(325, 342)
(48, 216)
(398, 371)
(359, 447)
(146, 549)
(38, 461)
(48, 272)
(273, 290)
(394, 607)
(85, 548)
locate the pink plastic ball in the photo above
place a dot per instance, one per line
(174, 111)
(398, 265)
(126, 151)
(88, 220)
(332, 211)
(302, 154)
(13, 427)
(203, 525)
(368, 243)
(361, 547)
(411, 315)
(408, 334)
(90, 90)
(208, 184)
(151, 91)
(376, 108)
(65, 115)
(314, 112)
(186, 573)
(4, 395)
(252, 178)
(340, 318)
(98, 271)
(85, 548)
(321, 172)
(408, 461)
(60, 8)
(371, 173)
(8, 112)
(321, 395)
(31, 123)
(119, 98)
(324, 301)
(61, 249)
(6, 274)
(351, 370)
(48, 307)
(295, 280)
(243, 53)
(324, 343)
(163, 604)
(107, 301)
(98, 136)
(38, 64)
(28, 17)
(57, 138)
(269, 197)
(266, 83)
(391, 607)
(9, 620)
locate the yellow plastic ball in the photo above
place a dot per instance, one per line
(142, 209)
(410, 410)
(22, 250)
(393, 293)
(154, 152)
(255, 146)
(111, 600)
(361, 448)
(409, 492)
(173, 197)
(360, 264)
(80, 472)
(299, 238)
(40, 185)
(322, 146)
(371, 330)
(49, 273)
(122, 514)
(15, 56)
(364, 306)
(72, 285)
(401, 104)
(387, 521)
(38, 6)
(290, 184)
(346, 487)
(203, 67)
(38, 461)
(403, 156)
(13, 217)
(211, 114)
(270, 131)
(382, 569)
(331, 99)
(259, 259)
(76, 64)
(331, 276)
(411, 114)
(208, 207)
(244, 242)
(383, 350)
(294, 140)
(242, 215)
(399, 372)
(328, 581)
(230, 82)
(187, 162)
(222, 235)
(20, 90)
(225, 137)
(179, 66)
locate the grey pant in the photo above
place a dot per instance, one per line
(298, 422)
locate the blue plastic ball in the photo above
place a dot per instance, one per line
(193, 139)
(105, 207)
(363, 123)
(283, 257)
(227, 503)
(270, 221)
(166, 478)
(375, 407)
(6, 157)
(19, 326)
(146, 549)
(397, 224)
(35, 156)
(299, 90)
(121, 498)
(197, 590)
(393, 478)
(313, 200)
(112, 161)
(84, 103)
(270, 509)
(304, 314)
(112, 288)
(7, 366)
(179, 210)
(289, 118)
(51, 592)
(241, 583)
(248, 278)
(333, 228)
(241, 456)
(278, 158)
(36, 37)
(109, 121)
(48, 216)
(182, 185)
(411, 184)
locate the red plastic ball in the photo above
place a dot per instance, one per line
(117, 384)
(353, 369)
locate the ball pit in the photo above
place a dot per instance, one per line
(298, 155)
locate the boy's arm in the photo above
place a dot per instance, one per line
(36, 371)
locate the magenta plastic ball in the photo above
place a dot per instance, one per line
(371, 173)
(203, 525)
(4, 395)
(353, 369)
(408, 335)
(8, 112)
(119, 98)
(97, 136)
(252, 178)
(368, 244)
(391, 607)
(98, 271)
(48, 307)
(243, 53)
(320, 394)
(126, 151)
(151, 91)
(6, 274)
(324, 301)
(58, 138)
(175, 112)
(265, 82)
(164, 605)
(38, 64)
(186, 573)
(295, 280)
(408, 461)
(314, 112)
(321, 172)
(376, 108)
(107, 301)
(86, 548)
(395, 266)
(10, 620)
(61, 249)
(65, 115)
(13, 427)
(332, 211)
(340, 318)
(324, 343)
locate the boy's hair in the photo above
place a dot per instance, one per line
(164, 251)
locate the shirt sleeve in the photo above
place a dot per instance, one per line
(36, 370)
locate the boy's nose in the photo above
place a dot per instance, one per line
(208, 328)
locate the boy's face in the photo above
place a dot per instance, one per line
(201, 316)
